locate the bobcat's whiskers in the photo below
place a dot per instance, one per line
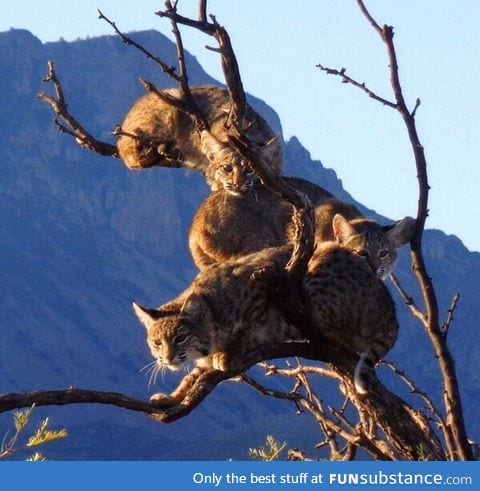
(153, 369)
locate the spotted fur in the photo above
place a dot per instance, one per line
(221, 317)
(156, 133)
(342, 222)
(350, 305)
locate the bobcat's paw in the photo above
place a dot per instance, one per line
(220, 362)
(163, 400)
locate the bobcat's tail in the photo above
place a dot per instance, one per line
(364, 364)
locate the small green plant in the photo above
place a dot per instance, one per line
(422, 453)
(270, 451)
(42, 435)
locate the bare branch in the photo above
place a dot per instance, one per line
(395, 417)
(303, 217)
(230, 67)
(289, 396)
(453, 404)
(430, 318)
(191, 107)
(360, 85)
(294, 372)
(202, 11)
(74, 128)
(409, 302)
(167, 69)
(453, 306)
(417, 105)
(187, 103)
(415, 390)
(72, 396)
(207, 382)
(370, 19)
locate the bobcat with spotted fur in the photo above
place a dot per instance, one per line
(156, 133)
(225, 314)
(226, 227)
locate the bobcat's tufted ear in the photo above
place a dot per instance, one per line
(194, 308)
(342, 230)
(211, 145)
(401, 232)
(146, 316)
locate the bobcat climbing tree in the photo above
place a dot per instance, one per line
(383, 424)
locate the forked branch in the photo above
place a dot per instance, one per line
(186, 103)
(430, 318)
(230, 67)
(73, 128)
(406, 429)
(452, 399)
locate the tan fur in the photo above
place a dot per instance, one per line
(227, 227)
(221, 317)
(170, 139)
(226, 314)
(366, 238)
(350, 305)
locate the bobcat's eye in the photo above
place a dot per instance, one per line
(246, 167)
(181, 338)
(383, 254)
(157, 343)
(362, 253)
(227, 168)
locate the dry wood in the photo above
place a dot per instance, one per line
(454, 425)
(73, 128)
(407, 430)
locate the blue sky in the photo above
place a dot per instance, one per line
(279, 42)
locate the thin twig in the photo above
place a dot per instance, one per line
(73, 128)
(452, 399)
(453, 306)
(167, 69)
(346, 79)
(415, 390)
(409, 301)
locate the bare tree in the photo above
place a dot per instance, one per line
(383, 424)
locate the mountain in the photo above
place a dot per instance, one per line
(82, 237)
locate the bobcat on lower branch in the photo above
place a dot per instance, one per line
(225, 314)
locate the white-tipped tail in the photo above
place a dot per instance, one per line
(358, 378)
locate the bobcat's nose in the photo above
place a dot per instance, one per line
(173, 364)
(170, 358)
(236, 189)
(382, 272)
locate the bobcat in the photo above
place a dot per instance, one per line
(225, 227)
(342, 222)
(221, 317)
(165, 136)
(350, 305)
(225, 314)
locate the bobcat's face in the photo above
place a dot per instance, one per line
(173, 343)
(173, 338)
(373, 246)
(230, 172)
(376, 243)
